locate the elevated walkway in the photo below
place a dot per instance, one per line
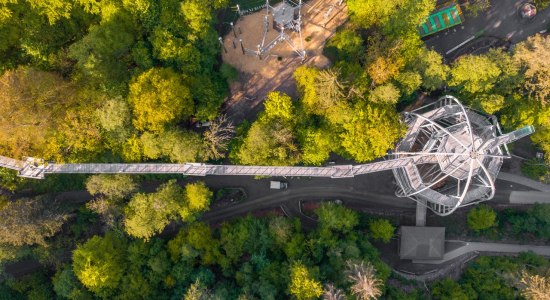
(36, 168)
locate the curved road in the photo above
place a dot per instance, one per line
(368, 191)
(348, 195)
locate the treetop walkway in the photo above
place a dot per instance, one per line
(449, 157)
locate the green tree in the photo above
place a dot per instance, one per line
(481, 217)
(197, 199)
(278, 106)
(99, 263)
(35, 286)
(408, 82)
(271, 139)
(305, 80)
(317, 144)
(474, 74)
(52, 9)
(176, 145)
(114, 115)
(302, 284)
(159, 98)
(407, 16)
(345, 45)
(434, 72)
(534, 56)
(181, 146)
(102, 54)
(385, 94)
(195, 242)
(111, 186)
(322, 93)
(336, 217)
(381, 229)
(448, 289)
(491, 103)
(148, 214)
(371, 132)
(368, 13)
(65, 284)
(175, 49)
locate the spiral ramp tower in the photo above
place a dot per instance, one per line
(467, 149)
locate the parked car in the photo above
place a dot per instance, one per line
(278, 185)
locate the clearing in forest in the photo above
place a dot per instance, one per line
(320, 19)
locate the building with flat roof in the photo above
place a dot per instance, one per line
(421, 243)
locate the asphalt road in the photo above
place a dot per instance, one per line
(501, 21)
(371, 190)
(365, 191)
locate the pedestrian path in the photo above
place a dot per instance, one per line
(488, 247)
(529, 197)
(524, 181)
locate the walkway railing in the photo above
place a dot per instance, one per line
(36, 168)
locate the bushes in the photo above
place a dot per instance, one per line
(535, 220)
(448, 289)
(481, 217)
(488, 277)
(381, 229)
(260, 258)
(535, 169)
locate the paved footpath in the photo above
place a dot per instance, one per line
(501, 21)
(488, 247)
(536, 185)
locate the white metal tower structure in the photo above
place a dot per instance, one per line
(467, 150)
(285, 18)
(450, 157)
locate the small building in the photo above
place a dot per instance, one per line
(421, 243)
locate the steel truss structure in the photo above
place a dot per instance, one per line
(449, 158)
(285, 17)
(468, 150)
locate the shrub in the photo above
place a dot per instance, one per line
(535, 169)
(381, 229)
(481, 217)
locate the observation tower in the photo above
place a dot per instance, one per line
(464, 149)
(449, 158)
